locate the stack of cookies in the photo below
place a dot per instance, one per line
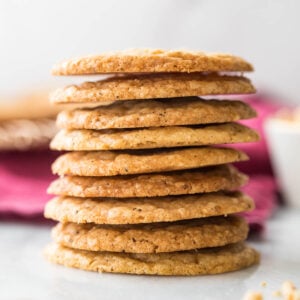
(148, 187)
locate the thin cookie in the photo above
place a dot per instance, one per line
(155, 113)
(111, 163)
(201, 262)
(152, 60)
(146, 210)
(153, 137)
(203, 180)
(154, 237)
(148, 86)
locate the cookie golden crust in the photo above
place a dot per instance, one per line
(151, 60)
(155, 113)
(203, 180)
(196, 262)
(148, 86)
(111, 163)
(153, 137)
(154, 237)
(146, 210)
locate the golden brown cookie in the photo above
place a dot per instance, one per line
(148, 86)
(155, 113)
(202, 180)
(154, 237)
(196, 262)
(146, 210)
(151, 60)
(153, 137)
(110, 163)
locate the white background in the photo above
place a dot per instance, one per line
(35, 34)
(25, 274)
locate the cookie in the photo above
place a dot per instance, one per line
(110, 163)
(196, 262)
(151, 60)
(148, 86)
(146, 210)
(155, 113)
(153, 137)
(154, 237)
(203, 180)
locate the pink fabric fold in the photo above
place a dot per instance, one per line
(263, 189)
(262, 186)
(24, 178)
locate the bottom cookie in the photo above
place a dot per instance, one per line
(197, 262)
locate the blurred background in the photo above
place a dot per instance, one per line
(36, 34)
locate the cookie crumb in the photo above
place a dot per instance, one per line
(263, 283)
(253, 296)
(276, 294)
(287, 291)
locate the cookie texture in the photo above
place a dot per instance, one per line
(110, 163)
(153, 137)
(154, 237)
(146, 210)
(202, 180)
(197, 262)
(151, 60)
(148, 86)
(155, 113)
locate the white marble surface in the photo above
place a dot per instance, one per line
(25, 275)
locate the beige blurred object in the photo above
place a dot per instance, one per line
(253, 296)
(30, 105)
(26, 134)
(27, 122)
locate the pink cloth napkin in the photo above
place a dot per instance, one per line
(25, 176)
(263, 189)
(262, 186)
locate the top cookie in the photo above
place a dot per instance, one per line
(151, 60)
